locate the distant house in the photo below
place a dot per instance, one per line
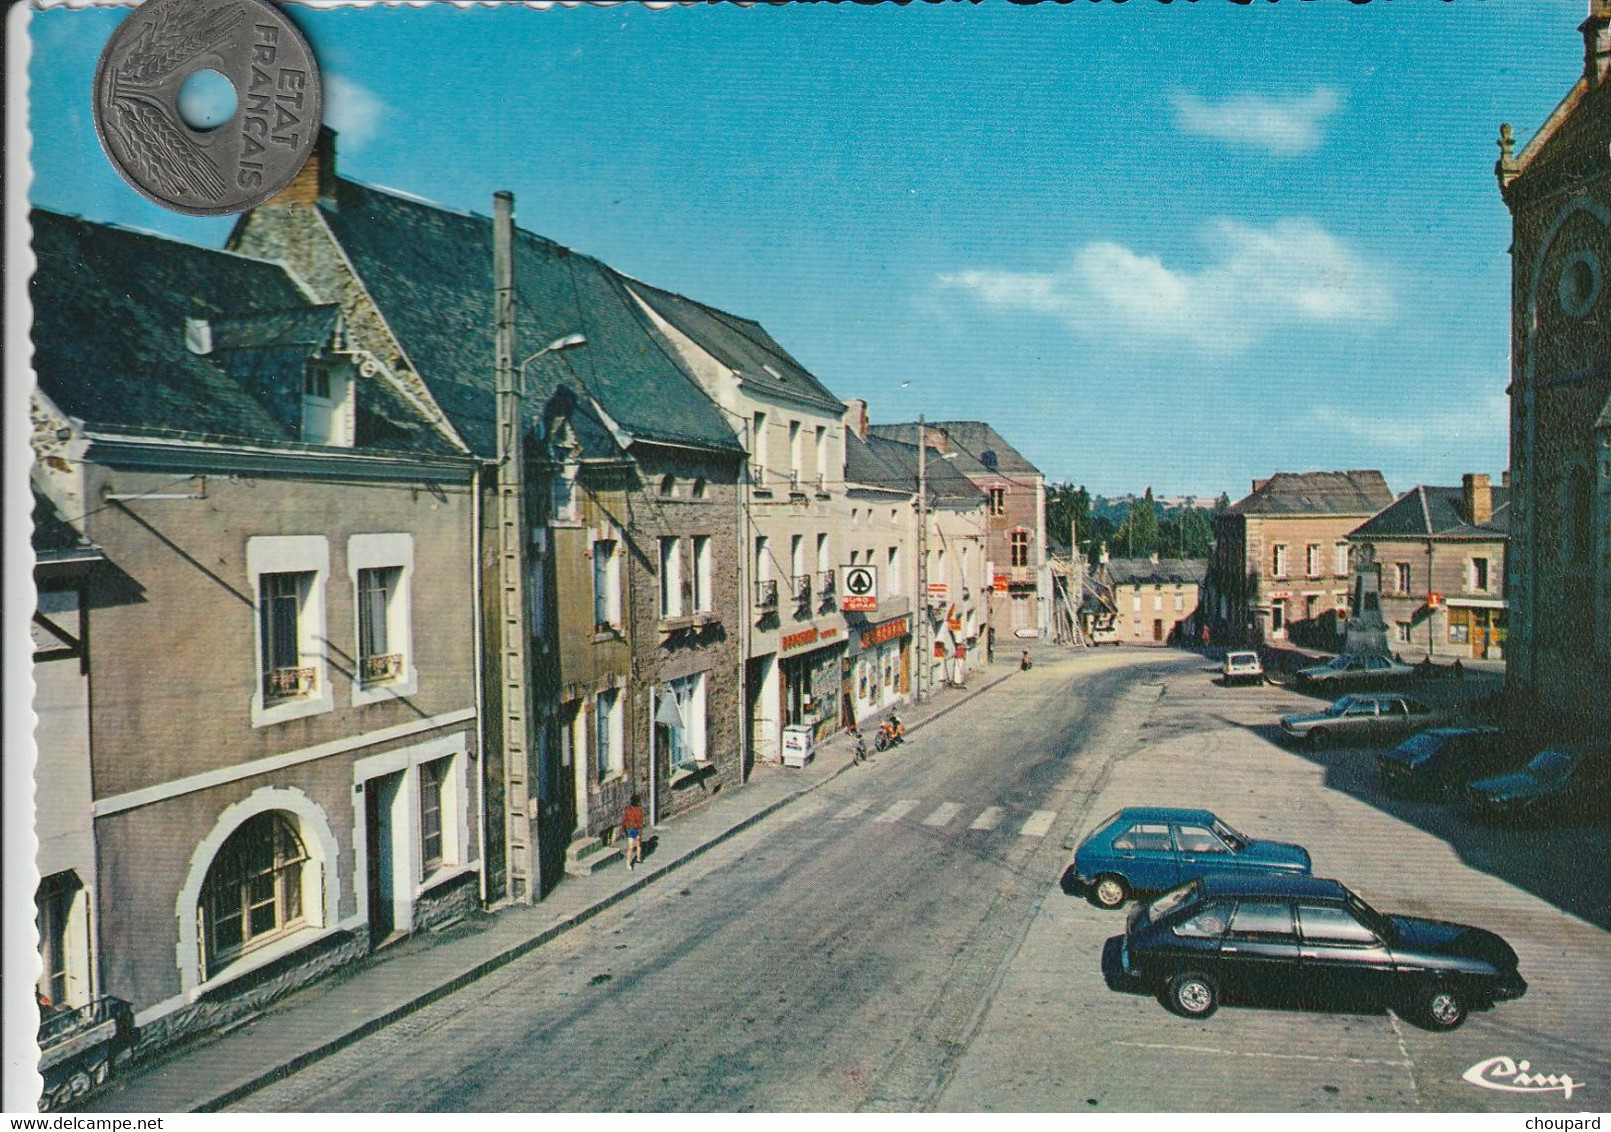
(1152, 598)
(1440, 556)
(1280, 565)
(1558, 652)
(258, 727)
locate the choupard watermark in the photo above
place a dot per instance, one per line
(1508, 1076)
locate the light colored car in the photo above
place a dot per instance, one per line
(1362, 721)
(1242, 668)
(1354, 671)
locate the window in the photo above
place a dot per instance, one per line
(316, 383)
(564, 486)
(609, 747)
(61, 978)
(822, 457)
(758, 451)
(281, 598)
(1459, 632)
(699, 489)
(702, 574)
(381, 566)
(1401, 577)
(326, 413)
(892, 580)
(998, 501)
(1402, 632)
(1311, 607)
(1135, 604)
(432, 776)
(1334, 926)
(1479, 574)
(824, 559)
(1196, 839)
(854, 555)
(606, 585)
(1278, 560)
(1210, 923)
(1269, 920)
(1157, 603)
(671, 577)
(763, 558)
(1278, 618)
(795, 454)
(680, 721)
(1342, 559)
(287, 574)
(253, 891)
(1145, 837)
(1020, 548)
(1180, 603)
(1311, 559)
(377, 662)
(668, 486)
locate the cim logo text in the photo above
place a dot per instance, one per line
(1509, 1076)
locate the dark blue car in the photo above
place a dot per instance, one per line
(1154, 849)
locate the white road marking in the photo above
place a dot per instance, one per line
(943, 815)
(1039, 822)
(898, 811)
(989, 819)
(855, 809)
(800, 810)
(1266, 1054)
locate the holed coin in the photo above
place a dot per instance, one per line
(237, 164)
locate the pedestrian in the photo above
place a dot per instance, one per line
(632, 825)
(1024, 663)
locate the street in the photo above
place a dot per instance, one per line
(898, 940)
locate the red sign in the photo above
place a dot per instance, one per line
(939, 589)
(939, 651)
(961, 653)
(1001, 583)
(1434, 600)
(829, 633)
(954, 624)
(888, 631)
(853, 603)
(795, 640)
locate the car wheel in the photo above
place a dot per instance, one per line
(1191, 995)
(1109, 891)
(1440, 1007)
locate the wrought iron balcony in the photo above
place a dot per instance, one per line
(758, 476)
(827, 584)
(380, 667)
(283, 683)
(801, 584)
(766, 595)
(795, 487)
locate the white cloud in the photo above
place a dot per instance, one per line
(1292, 272)
(352, 110)
(1285, 127)
(1461, 425)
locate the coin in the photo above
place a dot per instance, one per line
(237, 164)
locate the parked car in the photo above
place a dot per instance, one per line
(1557, 783)
(1354, 671)
(1362, 720)
(1242, 668)
(1441, 761)
(1306, 941)
(1153, 849)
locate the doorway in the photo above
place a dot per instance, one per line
(380, 844)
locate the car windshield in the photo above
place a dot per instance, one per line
(1341, 706)
(1424, 744)
(1180, 897)
(1550, 765)
(1228, 835)
(1370, 917)
(1341, 662)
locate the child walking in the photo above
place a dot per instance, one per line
(632, 825)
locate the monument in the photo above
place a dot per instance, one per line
(1366, 632)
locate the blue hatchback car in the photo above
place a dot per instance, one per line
(1154, 849)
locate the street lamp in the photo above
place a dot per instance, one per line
(565, 343)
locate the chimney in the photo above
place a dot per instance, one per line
(1504, 478)
(856, 416)
(1596, 32)
(1477, 498)
(1258, 485)
(315, 183)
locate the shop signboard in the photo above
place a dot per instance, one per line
(858, 589)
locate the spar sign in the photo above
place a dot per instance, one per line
(858, 589)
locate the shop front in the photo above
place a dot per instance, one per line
(878, 666)
(812, 683)
(1477, 628)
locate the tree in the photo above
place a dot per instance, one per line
(1139, 534)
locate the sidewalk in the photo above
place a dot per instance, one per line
(325, 1016)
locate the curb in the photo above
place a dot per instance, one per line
(525, 946)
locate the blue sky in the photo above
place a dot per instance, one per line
(1177, 246)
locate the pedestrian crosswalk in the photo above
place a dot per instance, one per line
(934, 814)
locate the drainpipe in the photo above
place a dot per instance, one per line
(1431, 614)
(480, 676)
(746, 621)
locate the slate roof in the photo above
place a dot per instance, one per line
(989, 452)
(960, 458)
(893, 464)
(740, 344)
(430, 271)
(1317, 493)
(1165, 571)
(1435, 512)
(110, 307)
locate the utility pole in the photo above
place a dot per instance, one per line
(520, 843)
(922, 553)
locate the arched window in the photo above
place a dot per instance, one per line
(253, 890)
(668, 485)
(699, 488)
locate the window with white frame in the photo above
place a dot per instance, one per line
(998, 501)
(1278, 619)
(61, 915)
(703, 568)
(1479, 574)
(606, 584)
(892, 583)
(1020, 548)
(1157, 603)
(824, 558)
(253, 890)
(1342, 559)
(288, 576)
(564, 489)
(796, 453)
(1180, 603)
(758, 450)
(1278, 560)
(671, 577)
(680, 720)
(1402, 577)
(822, 457)
(432, 794)
(382, 568)
(1402, 631)
(1311, 559)
(609, 734)
(1135, 604)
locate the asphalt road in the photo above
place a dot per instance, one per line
(898, 940)
(836, 957)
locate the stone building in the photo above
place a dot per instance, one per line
(1152, 598)
(792, 518)
(1015, 517)
(262, 763)
(414, 281)
(1279, 569)
(1558, 652)
(1439, 556)
(879, 669)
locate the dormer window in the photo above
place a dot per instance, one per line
(327, 412)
